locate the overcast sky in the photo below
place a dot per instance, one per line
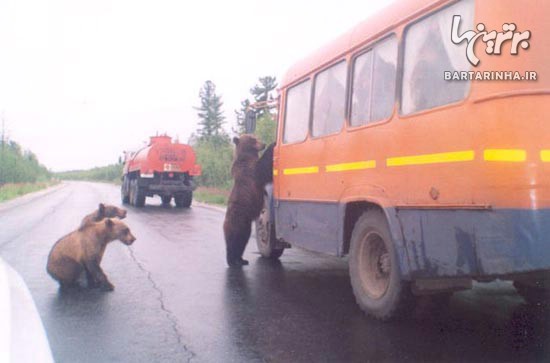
(81, 81)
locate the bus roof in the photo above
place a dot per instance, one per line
(358, 36)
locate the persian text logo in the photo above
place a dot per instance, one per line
(494, 40)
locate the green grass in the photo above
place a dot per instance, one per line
(11, 191)
(211, 195)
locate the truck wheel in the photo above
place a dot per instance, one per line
(374, 269)
(166, 200)
(137, 195)
(125, 197)
(265, 234)
(533, 293)
(183, 200)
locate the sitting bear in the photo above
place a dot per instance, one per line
(82, 250)
(246, 199)
(104, 211)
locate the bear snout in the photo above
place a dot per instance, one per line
(130, 240)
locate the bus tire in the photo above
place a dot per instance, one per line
(265, 234)
(533, 294)
(166, 199)
(374, 269)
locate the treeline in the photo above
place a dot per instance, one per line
(109, 173)
(20, 166)
(213, 144)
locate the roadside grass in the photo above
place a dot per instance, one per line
(211, 195)
(11, 191)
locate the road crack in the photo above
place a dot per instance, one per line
(160, 297)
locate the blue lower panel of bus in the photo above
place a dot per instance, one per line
(433, 243)
(311, 225)
(475, 243)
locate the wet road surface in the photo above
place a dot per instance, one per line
(176, 301)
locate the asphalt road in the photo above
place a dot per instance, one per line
(176, 301)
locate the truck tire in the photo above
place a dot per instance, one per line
(166, 199)
(124, 195)
(374, 269)
(183, 200)
(265, 234)
(137, 195)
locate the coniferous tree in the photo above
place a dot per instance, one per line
(210, 114)
(262, 91)
(240, 117)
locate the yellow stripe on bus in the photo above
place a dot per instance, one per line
(545, 156)
(450, 157)
(358, 165)
(306, 170)
(509, 155)
(275, 172)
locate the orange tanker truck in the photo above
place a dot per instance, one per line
(163, 168)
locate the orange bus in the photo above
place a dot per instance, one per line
(430, 172)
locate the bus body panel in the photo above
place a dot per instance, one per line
(465, 186)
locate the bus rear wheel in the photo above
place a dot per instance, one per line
(536, 293)
(374, 269)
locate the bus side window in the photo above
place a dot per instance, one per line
(429, 52)
(374, 77)
(329, 104)
(297, 112)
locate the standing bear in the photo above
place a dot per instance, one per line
(250, 175)
(82, 251)
(104, 211)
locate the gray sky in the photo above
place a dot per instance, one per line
(81, 81)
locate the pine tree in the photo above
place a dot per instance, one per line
(240, 116)
(210, 114)
(262, 92)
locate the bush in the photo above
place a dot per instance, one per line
(109, 173)
(266, 129)
(18, 166)
(215, 157)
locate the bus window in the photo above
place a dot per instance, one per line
(330, 100)
(297, 112)
(374, 84)
(429, 52)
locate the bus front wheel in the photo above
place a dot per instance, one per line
(265, 234)
(374, 269)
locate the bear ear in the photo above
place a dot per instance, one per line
(236, 140)
(109, 222)
(101, 208)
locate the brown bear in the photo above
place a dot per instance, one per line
(103, 211)
(246, 198)
(264, 167)
(82, 250)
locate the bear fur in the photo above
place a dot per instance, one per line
(264, 167)
(102, 212)
(247, 196)
(82, 251)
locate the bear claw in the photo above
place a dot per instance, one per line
(237, 262)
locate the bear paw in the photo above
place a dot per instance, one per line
(107, 286)
(237, 262)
